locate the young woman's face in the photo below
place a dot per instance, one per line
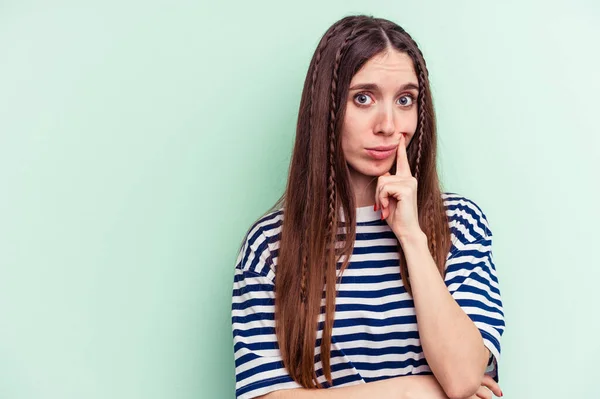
(381, 105)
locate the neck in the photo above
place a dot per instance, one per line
(364, 189)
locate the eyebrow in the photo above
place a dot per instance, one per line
(373, 86)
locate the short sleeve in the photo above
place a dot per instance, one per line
(472, 281)
(258, 365)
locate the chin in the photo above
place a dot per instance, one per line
(374, 169)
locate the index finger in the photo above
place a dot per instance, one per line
(492, 385)
(402, 166)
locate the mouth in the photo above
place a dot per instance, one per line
(382, 152)
(384, 147)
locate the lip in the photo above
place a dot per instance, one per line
(384, 147)
(379, 154)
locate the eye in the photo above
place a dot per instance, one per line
(408, 100)
(362, 98)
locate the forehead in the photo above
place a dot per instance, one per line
(388, 68)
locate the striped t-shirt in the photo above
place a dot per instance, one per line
(375, 334)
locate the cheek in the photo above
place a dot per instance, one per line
(348, 143)
(414, 119)
(354, 119)
(355, 125)
(351, 132)
(411, 126)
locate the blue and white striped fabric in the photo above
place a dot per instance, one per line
(375, 333)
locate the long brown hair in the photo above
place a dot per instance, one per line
(318, 189)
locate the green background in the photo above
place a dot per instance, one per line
(139, 140)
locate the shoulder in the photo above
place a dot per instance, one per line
(260, 245)
(468, 222)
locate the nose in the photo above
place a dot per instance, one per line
(386, 121)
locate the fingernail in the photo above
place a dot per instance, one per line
(501, 394)
(381, 215)
(375, 207)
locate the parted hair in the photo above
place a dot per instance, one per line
(318, 190)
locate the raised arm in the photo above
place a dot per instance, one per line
(453, 345)
(451, 342)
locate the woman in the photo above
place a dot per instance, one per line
(364, 276)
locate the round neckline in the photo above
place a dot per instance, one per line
(364, 214)
(367, 214)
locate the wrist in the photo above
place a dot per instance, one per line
(416, 238)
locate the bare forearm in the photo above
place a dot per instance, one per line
(451, 342)
(405, 387)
